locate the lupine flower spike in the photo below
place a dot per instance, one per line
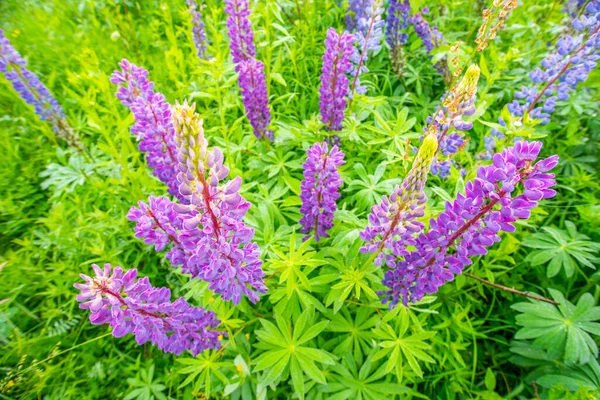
(431, 38)
(239, 29)
(368, 41)
(393, 222)
(493, 20)
(398, 13)
(471, 223)
(320, 189)
(198, 29)
(255, 97)
(34, 93)
(133, 305)
(207, 235)
(153, 126)
(334, 81)
(447, 121)
(356, 11)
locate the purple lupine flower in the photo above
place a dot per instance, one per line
(571, 63)
(471, 223)
(431, 38)
(369, 28)
(133, 305)
(198, 29)
(223, 253)
(334, 81)
(239, 29)
(34, 93)
(254, 95)
(356, 11)
(393, 222)
(153, 126)
(398, 13)
(320, 189)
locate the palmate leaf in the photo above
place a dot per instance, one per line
(574, 378)
(561, 250)
(368, 189)
(352, 381)
(563, 330)
(288, 352)
(399, 347)
(353, 333)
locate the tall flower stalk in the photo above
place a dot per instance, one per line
(206, 234)
(320, 189)
(252, 78)
(471, 223)
(34, 93)
(398, 13)
(133, 305)
(393, 222)
(153, 126)
(198, 30)
(369, 29)
(253, 85)
(239, 29)
(334, 80)
(493, 21)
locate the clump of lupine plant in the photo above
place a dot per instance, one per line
(334, 80)
(447, 121)
(320, 189)
(369, 28)
(198, 31)
(206, 233)
(398, 13)
(132, 305)
(153, 126)
(569, 64)
(491, 203)
(431, 38)
(493, 20)
(34, 93)
(252, 79)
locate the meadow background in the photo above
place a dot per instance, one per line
(61, 211)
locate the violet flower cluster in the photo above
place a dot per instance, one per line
(252, 78)
(571, 63)
(320, 189)
(153, 126)
(447, 121)
(239, 29)
(206, 234)
(133, 305)
(393, 222)
(198, 29)
(431, 38)
(356, 11)
(501, 194)
(34, 93)
(253, 85)
(334, 81)
(369, 29)
(398, 13)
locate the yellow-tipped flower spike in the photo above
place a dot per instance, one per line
(465, 91)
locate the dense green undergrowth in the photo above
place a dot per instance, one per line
(61, 211)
